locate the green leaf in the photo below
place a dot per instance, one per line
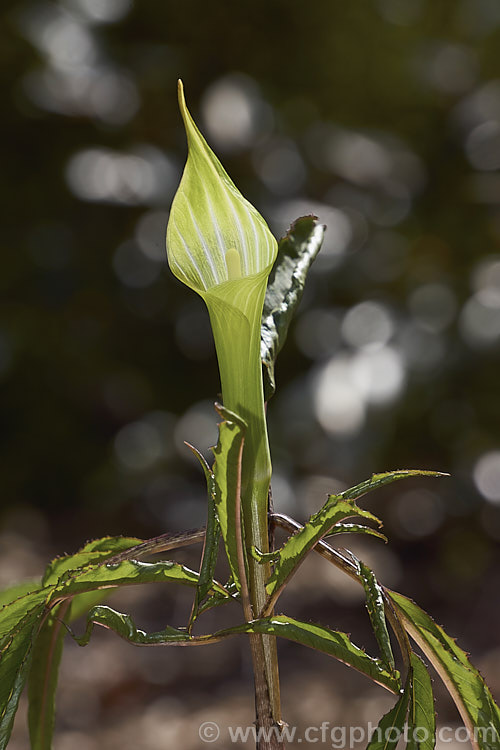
(391, 726)
(20, 620)
(82, 603)
(129, 572)
(211, 543)
(216, 599)
(466, 686)
(95, 551)
(105, 574)
(124, 626)
(13, 613)
(296, 252)
(387, 477)
(15, 592)
(319, 525)
(264, 557)
(421, 716)
(18, 632)
(417, 703)
(324, 522)
(355, 528)
(331, 642)
(227, 473)
(43, 674)
(376, 612)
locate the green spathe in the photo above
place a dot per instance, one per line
(214, 234)
(220, 246)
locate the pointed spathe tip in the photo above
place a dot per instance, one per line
(180, 94)
(186, 116)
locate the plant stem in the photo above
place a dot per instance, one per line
(265, 719)
(242, 390)
(264, 651)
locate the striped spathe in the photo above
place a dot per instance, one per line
(210, 218)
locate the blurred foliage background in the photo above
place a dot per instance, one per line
(382, 117)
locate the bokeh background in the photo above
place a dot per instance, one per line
(382, 117)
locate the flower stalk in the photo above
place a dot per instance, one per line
(220, 246)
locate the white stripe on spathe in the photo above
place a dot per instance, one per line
(243, 248)
(215, 223)
(208, 257)
(192, 261)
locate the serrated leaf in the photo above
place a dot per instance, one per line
(421, 715)
(263, 557)
(211, 542)
(376, 612)
(227, 474)
(43, 674)
(129, 572)
(333, 643)
(416, 704)
(356, 528)
(15, 658)
(124, 626)
(391, 726)
(82, 603)
(330, 642)
(296, 252)
(295, 549)
(321, 523)
(21, 617)
(98, 550)
(472, 697)
(386, 477)
(215, 600)
(11, 593)
(13, 613)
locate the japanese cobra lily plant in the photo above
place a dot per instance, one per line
(220, 247)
